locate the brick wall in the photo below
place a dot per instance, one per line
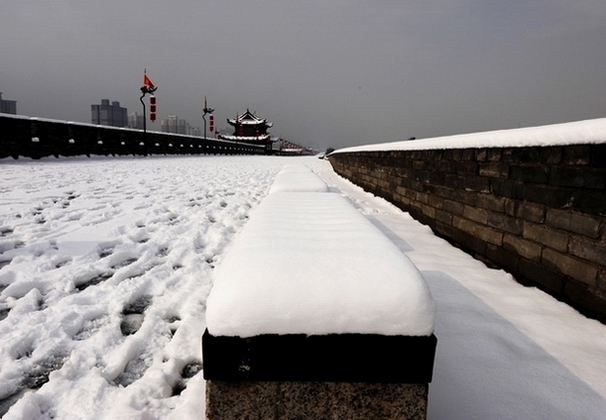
(537, 212)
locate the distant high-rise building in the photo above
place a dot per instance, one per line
(173, 124)
(7, 107)
(195, 131)
(135, 121)
(170, 125)
(109, 114)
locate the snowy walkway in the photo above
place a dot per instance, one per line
(105, 265)
(504, 351)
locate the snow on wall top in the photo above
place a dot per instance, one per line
(310, 263)
(297, 177)
(579, 132)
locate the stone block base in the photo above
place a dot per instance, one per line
(314, 400)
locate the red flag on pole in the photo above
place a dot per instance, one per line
(147, 81)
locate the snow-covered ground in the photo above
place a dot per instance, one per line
(105, 266)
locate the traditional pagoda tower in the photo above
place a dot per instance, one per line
(249, 128)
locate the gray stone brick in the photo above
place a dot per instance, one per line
(593, 251)
(531, 173)
(567, 176)
(551, 196)
(477, 184)
(491, 202)
(574, 222)
(494, 170)
(558, 218)
(479, 231)
(602, 281)
(481, 155)
(428, 211)
(586, 299)
(444, 217)
(530, 211)
(503, 187)
(589, 201)
(494, 155)
(577, 155)
(476, 214)
(546, 236)
(467, 168)
(454, 207)
(570, 266)
(538, 273)
(436, 201)
(502, 257)
(505, 223)
(551, 155)
(527, 249)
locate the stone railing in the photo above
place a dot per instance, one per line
(37, 138)
(537, 212)
(314, 313)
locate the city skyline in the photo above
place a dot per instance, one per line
(332, 73)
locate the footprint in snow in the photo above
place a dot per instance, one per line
(4, 312)
(162, 252)
(94, 281)
(5, 231)
(123, 263)
(105, 252)
(133, 371)
(134, 314)
(33, 380)
(189, 371)
(62, 262)
(91, 327)
(174, 325)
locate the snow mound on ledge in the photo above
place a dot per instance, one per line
(579, 132)
(297, 177)
(310, 263)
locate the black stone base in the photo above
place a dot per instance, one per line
(328, 358)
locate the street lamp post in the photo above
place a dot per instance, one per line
(148, 87)
(206, 110)
(145, 90)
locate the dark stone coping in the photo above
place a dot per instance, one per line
(369, 358)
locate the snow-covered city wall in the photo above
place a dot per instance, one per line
(531, 201)
(37, 138)
(312, 292)
(302, 265)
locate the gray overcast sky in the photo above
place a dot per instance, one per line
(327, 73)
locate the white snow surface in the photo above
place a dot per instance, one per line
(310, 263)
(106, 264)
(297, 177)
(578, 132)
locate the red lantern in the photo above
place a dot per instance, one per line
(152, 108)
(211, 123)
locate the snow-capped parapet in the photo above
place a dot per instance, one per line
(579, 132)
(312, 293)
(312, 264)
(297, 177)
